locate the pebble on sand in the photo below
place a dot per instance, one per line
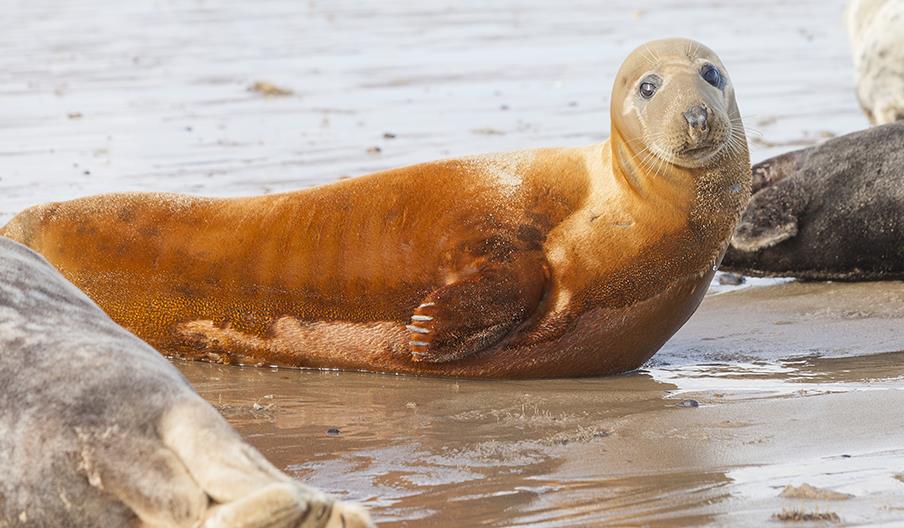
(731, 279)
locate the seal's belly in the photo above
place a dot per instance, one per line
(598, 342)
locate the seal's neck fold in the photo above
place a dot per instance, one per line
(626, 161)
(639, 170)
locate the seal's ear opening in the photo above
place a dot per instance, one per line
(750, 237)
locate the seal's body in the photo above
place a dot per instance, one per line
(552, 262)
(830, 212)
(876, 29)
(97, 429)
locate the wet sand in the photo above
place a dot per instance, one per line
(102, 95)
(763, 388)
(794, 382)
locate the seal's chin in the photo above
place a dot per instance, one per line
(698, 150)
(703, 152)
(691, 157)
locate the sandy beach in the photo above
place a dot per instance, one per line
(770, 384)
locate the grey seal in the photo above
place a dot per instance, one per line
(834, 211)
(98, 429)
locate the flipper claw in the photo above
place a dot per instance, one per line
(417, 329)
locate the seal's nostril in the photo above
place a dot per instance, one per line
(696, 117)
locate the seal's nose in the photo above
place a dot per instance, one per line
(696, 117)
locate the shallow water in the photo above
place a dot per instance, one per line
(624, 450)
(795, 382)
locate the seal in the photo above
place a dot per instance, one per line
(829, 212)
(97, 429)
(551, 262)
(876, 30)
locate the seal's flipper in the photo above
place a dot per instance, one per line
(773, 170)
(246, 489)
(286, 505)
(751, 237)
(144, 475)
(476, 311)
(771, 216)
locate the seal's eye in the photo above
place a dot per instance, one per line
(647, 90)
(711, 75)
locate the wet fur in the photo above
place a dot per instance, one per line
(830, 212)
(97, 429)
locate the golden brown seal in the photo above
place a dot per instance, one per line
(551, 262)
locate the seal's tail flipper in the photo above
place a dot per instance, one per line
(249, 491)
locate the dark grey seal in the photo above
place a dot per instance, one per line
(97, 429)
(830, 212)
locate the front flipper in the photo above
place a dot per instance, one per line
(773, 170)
(771, 216)
(478, 309)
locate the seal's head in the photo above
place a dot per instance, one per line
(673, 100)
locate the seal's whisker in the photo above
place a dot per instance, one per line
(732, 140)
(642, 152)
(642, 156)
(649, 55)
(647, 162)
(646, 140)
(736, 133)
(736, 142)
(732, 144)
(753, 131)
(656, 55)
(659, 166)
(738, 121)
(649, 159)
(693, 48)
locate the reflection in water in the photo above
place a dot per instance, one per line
(576, 452)
(419, 447)
(805, 375)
